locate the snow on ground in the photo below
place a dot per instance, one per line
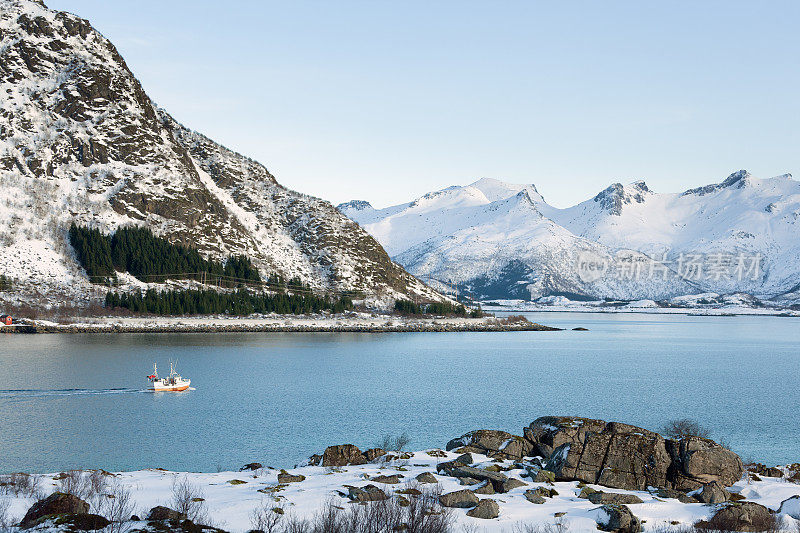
(229, 505)
(562, 304)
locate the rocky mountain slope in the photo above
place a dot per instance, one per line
(500, 240)
(81, 141)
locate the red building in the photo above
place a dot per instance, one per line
(5, 319)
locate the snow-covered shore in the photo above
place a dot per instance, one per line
(229, 498)
(349, 322)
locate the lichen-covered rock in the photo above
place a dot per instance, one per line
(602, 498)
(57, 503)
(160, 512)
(486, 509)
(426, 478)
(374, 453)
(714, 493)
(387, 480)
(493, 443)
(369, 493)
(343, 455)
(285, 477)
(629, 457)
(463, 499)
(534, 497)
(618, 518)
(744, 516)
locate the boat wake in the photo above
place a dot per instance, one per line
(40, 393)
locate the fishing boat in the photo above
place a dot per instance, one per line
(173, 383)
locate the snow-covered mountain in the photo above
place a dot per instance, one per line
(501, 240)
(81, 141)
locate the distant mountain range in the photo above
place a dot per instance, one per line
(503, 240)
(81, 141)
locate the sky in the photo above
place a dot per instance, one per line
(385, 101)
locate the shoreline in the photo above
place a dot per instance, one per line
(358, 323)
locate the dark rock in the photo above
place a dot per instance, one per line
(57, 503)
(285, 477)
(374, 453)
(493, 443)
(461, 460)
(426, 477)
(461, 498)
(251, 466)
(315, 460)
(601, 498)
(745, 516)
(343, 455)
(485, 489)
(486, 509)
(369, 493)
(387, 480)
(83, 521)
(677, 495)
(618, 518)
(135, 518)
(714, 493)
(511, 484)
(500, 482)
(164, 513)
(534, 497)
(468, 481)
(628, 457)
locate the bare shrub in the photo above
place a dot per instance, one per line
(188, 498)
(558, 526)
(19, 484)
(415, 514)
(267, 518)
(394, 443)
(116, 505)
(511, 319)
(684, 427)
(6, 522)
(75, 483)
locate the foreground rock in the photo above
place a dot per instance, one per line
(57, 503)
(745, 516)
(160, 512)
(493, 443)
(629, 457)
(463, 499)
(618, 518)
(343, 455)
(486, 509)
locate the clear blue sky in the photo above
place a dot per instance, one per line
(384, 101)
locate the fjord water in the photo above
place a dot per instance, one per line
(77, 401)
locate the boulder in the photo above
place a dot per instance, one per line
(164, 513)
(387, 480)
(510, 484)
(461, 498)
(629, 457)
(251, 466)
(493, 443)
(714, 493)
(315, 460)
(618, 518)
(285, 477)
(697, 461)
(602, 498)
(486, 509)
(57, 503)
(500, 482)
(468, 481)
(677, 495)
(83, 522)
(461, 460)
(791, 507)
(369, 493)
(484, 489)
(426, 477)
(534, 497)
(744, 516)
(343, 455)
(374, 453)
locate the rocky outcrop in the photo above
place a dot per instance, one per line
(463, 499)
(713, 493)
(745, 516)
(629, 457)
(285, 477)
(426, 478)
(57, 503)
(493, 443)
(618, 518)
(343, 455)
(251, 467)
(369, 493)
(160, 512)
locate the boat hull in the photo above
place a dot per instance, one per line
(170, 388)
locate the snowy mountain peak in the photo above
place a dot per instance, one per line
(738, 179)
(354, 205)
(615, 196)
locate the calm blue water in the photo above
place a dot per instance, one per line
(277, 398)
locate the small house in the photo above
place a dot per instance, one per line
(6, 320)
